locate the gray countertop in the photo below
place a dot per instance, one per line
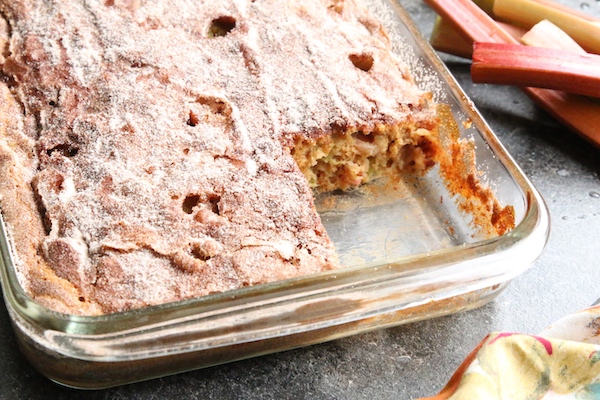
(417, 359)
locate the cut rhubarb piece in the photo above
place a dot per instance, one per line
(510, 64)
(446, 39)
(546, 34)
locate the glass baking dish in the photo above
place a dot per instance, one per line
(408, 256)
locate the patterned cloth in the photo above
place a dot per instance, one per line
(562, 362)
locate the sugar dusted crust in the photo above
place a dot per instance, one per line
(152, 155)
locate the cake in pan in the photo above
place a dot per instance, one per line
(153, 151)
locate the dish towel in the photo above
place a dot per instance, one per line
(561, 362)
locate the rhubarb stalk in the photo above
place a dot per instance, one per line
(470, 21)
(513, 64)
(579, 113)
(444, 38)
(546, 34)
(584, 30)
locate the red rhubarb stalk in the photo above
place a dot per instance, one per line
(513, 64)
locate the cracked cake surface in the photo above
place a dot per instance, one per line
(153, 151)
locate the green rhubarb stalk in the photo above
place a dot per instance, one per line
(568, 10)
(470, 21)
(488, 7)
(513, 64)
(584, 30)
(444, 38)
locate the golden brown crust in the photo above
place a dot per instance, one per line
(21, 214)
(163, 172)
(152, 159)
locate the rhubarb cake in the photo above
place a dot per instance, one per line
(153, 151)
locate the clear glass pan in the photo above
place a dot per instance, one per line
(409, 257)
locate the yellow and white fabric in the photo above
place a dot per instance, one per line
(560, 363)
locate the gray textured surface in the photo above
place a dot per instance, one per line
(417, 359)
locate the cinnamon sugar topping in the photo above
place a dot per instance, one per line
(148, 143)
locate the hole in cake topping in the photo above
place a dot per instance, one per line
(193, 119)
(64, 149)
(128, 128)
(337, 6)
(217, 106)
(207, 109)
(214, 202)
(221, 26)
(362, 61)
(200, 254)
(138, 64)
(190, 202)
